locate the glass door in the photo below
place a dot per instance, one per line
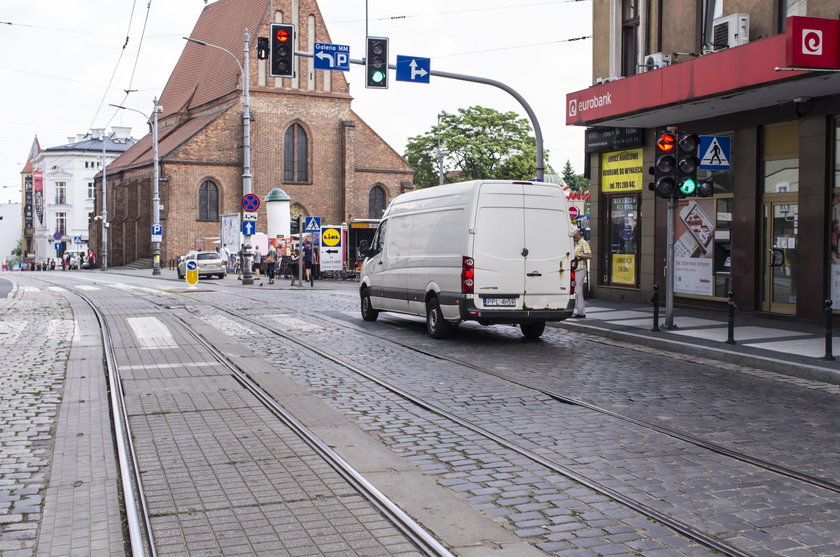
(779, 261)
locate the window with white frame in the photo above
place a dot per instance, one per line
(61, 223)
(60, 193)
(91, 191)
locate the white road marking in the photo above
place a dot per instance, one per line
(151, 333)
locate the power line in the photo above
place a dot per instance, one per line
(454, 12)
(514, 47)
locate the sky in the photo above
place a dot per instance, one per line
(64, 62)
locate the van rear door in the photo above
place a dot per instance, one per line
(549, 247)
(497, 247)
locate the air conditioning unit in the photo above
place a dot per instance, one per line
(658, 60)
(731, 30)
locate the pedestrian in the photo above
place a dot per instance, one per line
(255, 263)
(270, 263)
(91, 259)
(225, 255)
(52, 264)
(72, 261)
(308, 254)
(294, 261)
(583, 253)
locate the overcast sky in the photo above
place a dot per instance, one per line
(59, 57)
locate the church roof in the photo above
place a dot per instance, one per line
(203, 73)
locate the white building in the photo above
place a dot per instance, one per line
(64, 189)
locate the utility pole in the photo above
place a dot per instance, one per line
(156, 195)
(104, 207)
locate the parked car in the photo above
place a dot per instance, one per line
(209, 263)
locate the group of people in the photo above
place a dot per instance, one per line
(276, 263)
(69, 261)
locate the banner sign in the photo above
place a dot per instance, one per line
(27, 202)
(813, 42)
(622, 171)
(38, 181)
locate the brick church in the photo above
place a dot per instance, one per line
(305, 139)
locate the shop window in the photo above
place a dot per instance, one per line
(621, 256)
(295, 155)
(208, 201)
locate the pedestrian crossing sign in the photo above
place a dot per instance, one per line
(715, 152)
(312, 224)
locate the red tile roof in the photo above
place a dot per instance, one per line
(203, 73)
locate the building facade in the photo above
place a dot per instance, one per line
(63, 190)
(758, 82)
(10, 233)
(304, 138)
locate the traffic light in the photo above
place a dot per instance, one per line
(664, 181)
(263, 49)
(282, 50)
(376, 63)
(706, 188)
(687, 164)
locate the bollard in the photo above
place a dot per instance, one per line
(828, 318)
(655, 301)
(730, 338)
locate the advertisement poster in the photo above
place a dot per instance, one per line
(623, 269)
(38, 184)
(694, 233)
(835, 252)
(622, 171)
(229, 234)
(331, 255)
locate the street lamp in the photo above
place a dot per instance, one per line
(156, 197)
(104, 206)
(247, 274)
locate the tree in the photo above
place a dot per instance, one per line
(476, 143)
(574, 181)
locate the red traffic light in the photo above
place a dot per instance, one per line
(282, 35)
(666, 142)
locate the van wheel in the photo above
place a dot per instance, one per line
(436, 325)
(368, 313)
(534, 329)
(180, 276)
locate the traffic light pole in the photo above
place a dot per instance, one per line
(483, 80)
(669, 265)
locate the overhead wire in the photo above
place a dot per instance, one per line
(453, 12)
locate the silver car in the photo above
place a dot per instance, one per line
(209, 263)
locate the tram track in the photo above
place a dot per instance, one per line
(687, 530)
(138, 521)
(714, 542)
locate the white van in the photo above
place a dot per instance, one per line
(489, 251)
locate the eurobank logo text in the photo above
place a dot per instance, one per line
(576, 107)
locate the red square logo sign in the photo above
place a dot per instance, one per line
(813, 42)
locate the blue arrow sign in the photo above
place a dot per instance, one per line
(414, 69)
(312, 224)
(332, 57)
(192, 266)
(249, 227)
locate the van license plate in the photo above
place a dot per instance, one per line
(501, 302)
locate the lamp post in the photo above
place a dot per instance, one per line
(247, 274)
(156, 195)
(104, 207)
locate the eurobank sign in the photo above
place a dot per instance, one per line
(715, 84)
(577, 106)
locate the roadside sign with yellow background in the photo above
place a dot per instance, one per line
(622, 171)
(332, 252)
(192, 273)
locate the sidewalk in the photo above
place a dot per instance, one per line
(789, 347)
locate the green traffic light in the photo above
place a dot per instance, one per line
(688, 187)
(377, 77)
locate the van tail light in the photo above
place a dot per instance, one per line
(572, 283)
(467, 275)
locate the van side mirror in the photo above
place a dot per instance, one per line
(364, 248)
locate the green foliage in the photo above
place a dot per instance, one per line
(574, 181)
(476, 143)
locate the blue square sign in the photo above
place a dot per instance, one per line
(332, 57)
(413, 68)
